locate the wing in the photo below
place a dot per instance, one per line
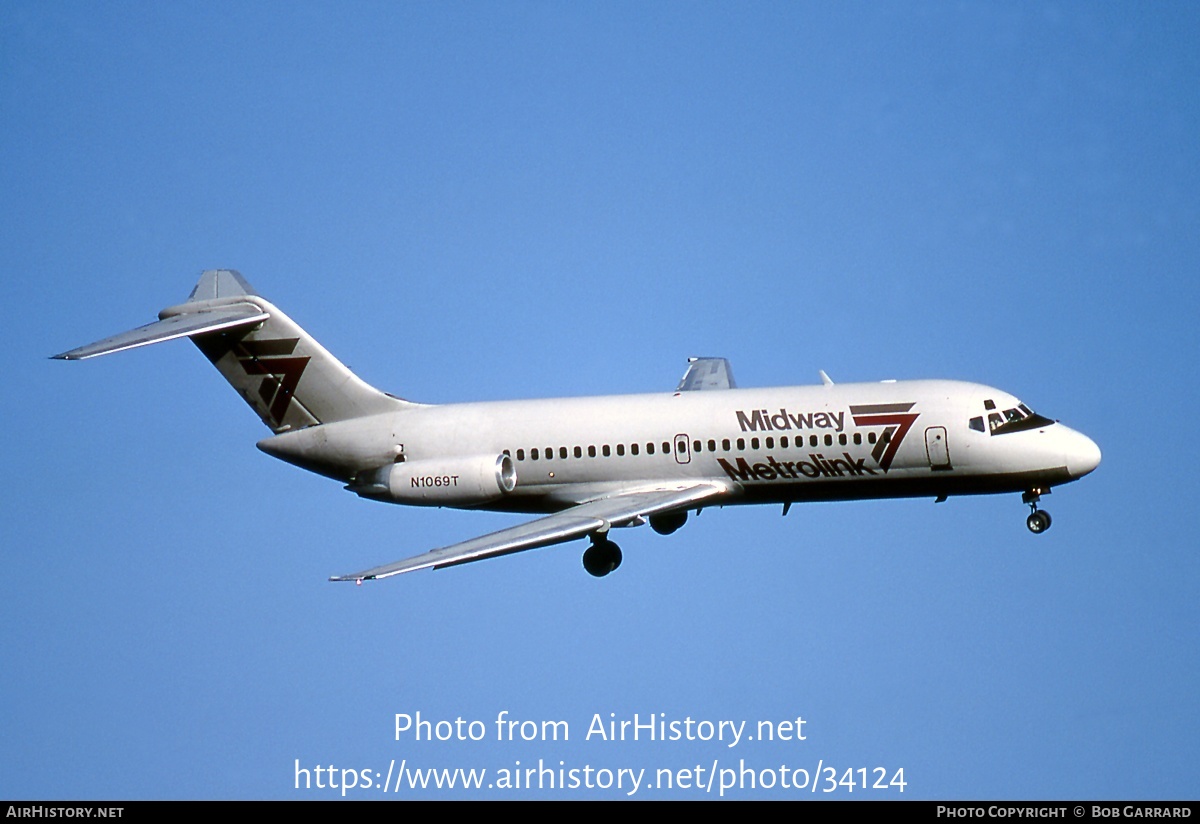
(623, 509)
(707, 373)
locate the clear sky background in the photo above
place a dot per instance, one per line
(471, 201)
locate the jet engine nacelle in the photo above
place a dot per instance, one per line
(469, 481)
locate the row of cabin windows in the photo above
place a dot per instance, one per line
(592, 451)
(726, 444)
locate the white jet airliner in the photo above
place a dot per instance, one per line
(590, 464)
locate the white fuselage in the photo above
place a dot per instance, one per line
(775, 444)
(591, 464)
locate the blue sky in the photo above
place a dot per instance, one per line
(474, 201)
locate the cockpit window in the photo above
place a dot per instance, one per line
(1017, 419)
(977, 424)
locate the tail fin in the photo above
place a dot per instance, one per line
(288, 378)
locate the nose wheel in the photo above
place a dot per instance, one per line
(1039, 519)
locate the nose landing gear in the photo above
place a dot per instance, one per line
(1039, 519)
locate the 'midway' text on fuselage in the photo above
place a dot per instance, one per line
(763, 420)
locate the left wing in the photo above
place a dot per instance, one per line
(623, 509)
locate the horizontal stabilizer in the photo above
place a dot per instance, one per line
(286, 377)
(179, 326)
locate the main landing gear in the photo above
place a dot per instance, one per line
(1039, 519)
(602, 557)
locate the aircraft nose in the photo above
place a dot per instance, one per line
(1082, 455)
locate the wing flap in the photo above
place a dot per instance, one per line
(178, 326)
(583, 519)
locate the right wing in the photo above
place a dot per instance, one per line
(622, 509)
(707, 373)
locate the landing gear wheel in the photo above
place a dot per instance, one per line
(601, 558)
(668, 523)
(1038, 521)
